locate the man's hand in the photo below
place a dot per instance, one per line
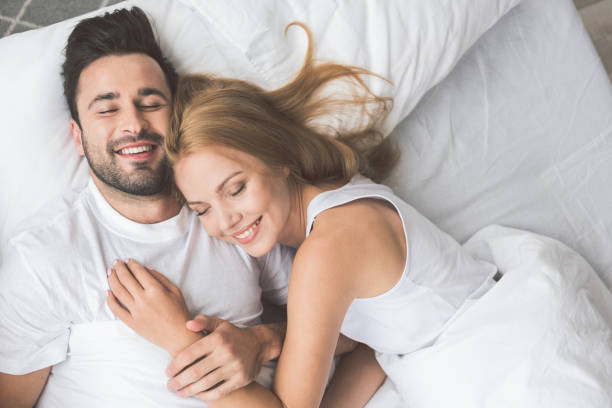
(151, 305)
(229, 355)
(242, 350)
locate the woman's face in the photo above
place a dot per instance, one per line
(236, 196)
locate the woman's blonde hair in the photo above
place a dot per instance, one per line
(279, 126)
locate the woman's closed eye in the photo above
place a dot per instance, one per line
(239, 190)
(201, 212)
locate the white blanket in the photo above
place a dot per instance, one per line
(541, 337)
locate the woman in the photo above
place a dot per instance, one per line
(259, 168)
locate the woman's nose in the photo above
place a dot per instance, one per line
(229, 219)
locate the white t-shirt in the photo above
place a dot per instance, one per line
(53, 289)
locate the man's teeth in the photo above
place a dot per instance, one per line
(136, 150)
(249, 231)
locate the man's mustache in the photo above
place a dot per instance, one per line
(143, 136)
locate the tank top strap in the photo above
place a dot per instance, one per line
(357, 188)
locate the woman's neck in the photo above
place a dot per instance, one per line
(295, 230)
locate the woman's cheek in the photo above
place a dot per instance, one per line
(208, 227)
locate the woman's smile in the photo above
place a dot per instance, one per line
(247, 234)
(233, 193)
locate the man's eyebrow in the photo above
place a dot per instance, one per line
(218, 188)
(152, 91)
(103, 97)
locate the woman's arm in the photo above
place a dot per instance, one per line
(354, 251)
(320, 291)
(357, 377)
(151, 305)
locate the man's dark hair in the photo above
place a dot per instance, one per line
(118, 33)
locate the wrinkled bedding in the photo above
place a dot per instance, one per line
(519, 134)
(541, 337)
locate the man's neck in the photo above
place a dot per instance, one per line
(142, 209)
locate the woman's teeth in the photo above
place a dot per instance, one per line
(248, 232)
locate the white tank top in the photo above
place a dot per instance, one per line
(438, 278)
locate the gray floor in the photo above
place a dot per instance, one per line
(597, 17)
(22, 15)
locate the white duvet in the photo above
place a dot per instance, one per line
(539, 338)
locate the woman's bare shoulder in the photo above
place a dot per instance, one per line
(360, 222)
(361, 243)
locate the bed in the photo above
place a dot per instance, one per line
(505, 122)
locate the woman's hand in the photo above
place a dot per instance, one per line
(150, 304)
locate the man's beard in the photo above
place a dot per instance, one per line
(142, 181)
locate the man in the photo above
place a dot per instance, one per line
(60, 344)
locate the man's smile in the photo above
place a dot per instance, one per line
(140, 151)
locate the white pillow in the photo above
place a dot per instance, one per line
(413, 43)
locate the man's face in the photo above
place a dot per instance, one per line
(123, 103)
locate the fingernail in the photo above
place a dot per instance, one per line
(115, 262)
(109, 271)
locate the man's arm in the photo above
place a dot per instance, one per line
(22, 391)
(189, 371)
(151, 305)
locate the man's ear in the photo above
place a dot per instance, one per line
(77, 136)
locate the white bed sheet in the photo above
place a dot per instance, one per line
(519, 134)
(540, 338)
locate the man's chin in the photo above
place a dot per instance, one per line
(148, 185)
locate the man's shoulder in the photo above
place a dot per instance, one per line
(56, 217)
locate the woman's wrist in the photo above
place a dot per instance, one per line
(183, 339)
(270, 337)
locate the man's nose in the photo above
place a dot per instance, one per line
(133, 121)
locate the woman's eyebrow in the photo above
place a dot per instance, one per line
(218, 189)
(227, 179)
